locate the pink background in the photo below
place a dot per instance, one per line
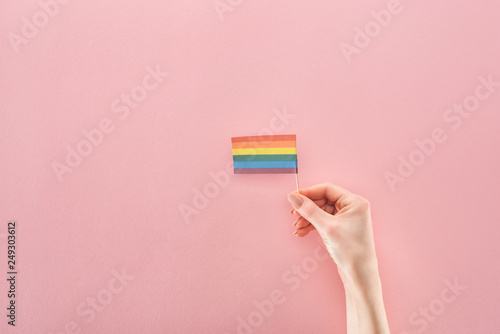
(120, 209)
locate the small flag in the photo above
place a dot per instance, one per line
(274, 154)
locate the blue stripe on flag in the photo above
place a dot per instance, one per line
(265, 164)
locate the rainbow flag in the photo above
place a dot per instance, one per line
(265, 154)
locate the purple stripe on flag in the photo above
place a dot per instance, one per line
(265, 170)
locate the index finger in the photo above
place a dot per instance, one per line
(327, 190)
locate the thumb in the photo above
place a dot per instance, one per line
(308, 210)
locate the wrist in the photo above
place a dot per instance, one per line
(360, 275)
(360, 270)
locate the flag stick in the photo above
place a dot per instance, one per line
(297, 181)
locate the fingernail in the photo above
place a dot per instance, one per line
(295, 224)
(291, 211)
(295, 200)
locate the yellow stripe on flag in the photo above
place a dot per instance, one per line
(257, 151)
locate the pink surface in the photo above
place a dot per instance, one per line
(123, 242)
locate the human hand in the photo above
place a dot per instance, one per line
(342, 219)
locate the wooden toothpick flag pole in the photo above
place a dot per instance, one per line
(297, 181)
(273, 154)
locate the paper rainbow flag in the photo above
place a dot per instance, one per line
(273, 154)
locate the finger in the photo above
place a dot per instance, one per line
(325, 190)
(320, 202)
(302, 232)
(329, 208)
(308, 209)
(301, 222)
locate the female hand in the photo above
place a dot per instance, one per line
(343, 221)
